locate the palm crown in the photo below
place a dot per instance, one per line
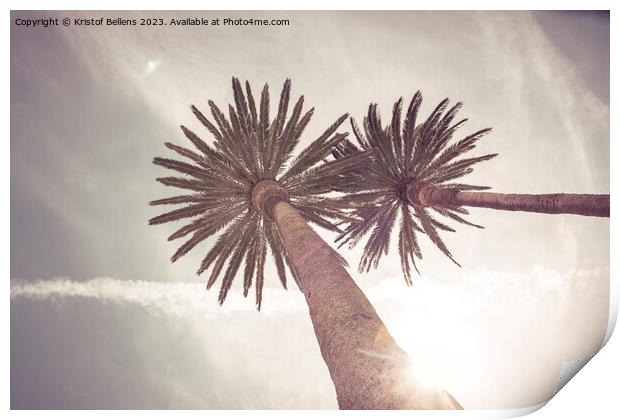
(404, 155)
(248, 148)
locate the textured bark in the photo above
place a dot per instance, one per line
(582, 204)
(368, 369)
(266, 194)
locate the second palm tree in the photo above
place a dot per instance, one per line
(415, 168)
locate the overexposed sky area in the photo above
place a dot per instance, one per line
(101, 319)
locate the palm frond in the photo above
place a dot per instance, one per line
(408, 247)
(379, 241)
(316, 151)
(277, 251)
(240, 250)
(260, 270)
(178, 199)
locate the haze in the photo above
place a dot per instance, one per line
(101, 319)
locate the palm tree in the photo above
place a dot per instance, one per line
(243, 181)
(415, 168)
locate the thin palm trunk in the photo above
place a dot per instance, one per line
(582, 204)
(368, 369)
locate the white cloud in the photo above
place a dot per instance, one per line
(171, 299)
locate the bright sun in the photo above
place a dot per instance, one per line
(428, 374)
(443, 350)
(437, 359)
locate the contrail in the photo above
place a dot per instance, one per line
(533, 287)
(175, 299)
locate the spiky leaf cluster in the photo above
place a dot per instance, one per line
(405, 152)
(249, 146)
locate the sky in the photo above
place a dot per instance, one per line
(101, 319)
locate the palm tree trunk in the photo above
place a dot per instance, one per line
(368, 369)
(582, 204)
